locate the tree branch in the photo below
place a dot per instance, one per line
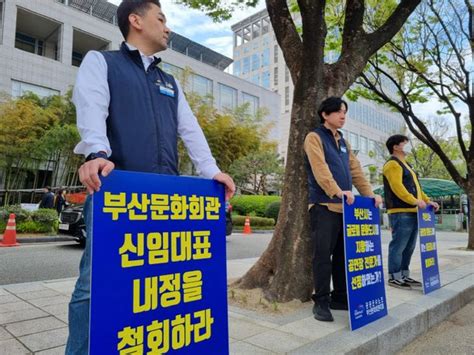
(353, 24)
(420, 131)
(286, 35)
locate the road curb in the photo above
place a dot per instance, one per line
(46, 239)
(404, 323)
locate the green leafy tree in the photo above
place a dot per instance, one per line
(37, 133)
(430, 62)
(262, 170)
(284, 269)
(231, 134)
(23, 122)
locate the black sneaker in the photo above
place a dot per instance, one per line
(322, 313)
(411, 282)
(399, 284)
(339, 306)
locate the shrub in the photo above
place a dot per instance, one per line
(272, 210)
(246, 204)
(40, 221)
(46, 219)
(21, 215)
(254, 221)
(44, 215)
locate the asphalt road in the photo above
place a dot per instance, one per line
(50, 261)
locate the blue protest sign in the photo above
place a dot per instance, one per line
(363, 256)
(428, 249)
(158, 280)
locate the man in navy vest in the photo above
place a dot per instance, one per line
(130, 114)
(403, 194)
(332, 170)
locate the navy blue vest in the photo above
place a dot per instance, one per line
(337, 159)
(142, 126)
(391, 200)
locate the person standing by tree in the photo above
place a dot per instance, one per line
(332, 170)
(130, 114)
(403, 194)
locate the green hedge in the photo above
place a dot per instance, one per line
(272, 210)
(252, 204)
(254, 221)
(40, 221)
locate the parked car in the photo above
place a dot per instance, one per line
(71, 222)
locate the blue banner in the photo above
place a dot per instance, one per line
(364, 270)
(428, 249)
(158, 266)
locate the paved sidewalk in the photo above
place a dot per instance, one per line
(33, 316)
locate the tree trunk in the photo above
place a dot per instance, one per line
(284, 271)
(469, 190)
(470, 226)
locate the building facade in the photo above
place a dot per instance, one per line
(259, 59)
(42, 43)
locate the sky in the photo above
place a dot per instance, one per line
(195, 25)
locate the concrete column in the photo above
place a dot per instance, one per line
(65, 44)
(9, 23)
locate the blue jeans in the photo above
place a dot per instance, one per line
(78, 340)
(404, 236)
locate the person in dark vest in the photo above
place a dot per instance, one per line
(130, 114)
(47, 201)
(403, 194)
(332, 170)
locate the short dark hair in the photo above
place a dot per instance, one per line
(330, 105)
(128, 7)
(48, 188)
(396, 139)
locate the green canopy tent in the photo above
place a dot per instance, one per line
(434, 188)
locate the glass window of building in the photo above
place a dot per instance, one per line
(287, 74)
(246, 49)
(354, 140)
(77, 58)
(20, 88)
(246, 65)
(287, 95)
(266, 41)
(275, 54)
(253, 102)
(373, 148)
(29, 44)
(266, 79)
(363, 145)
(266, 57)
(201, 85)
(256, 79)
(275, 76)
(172, 69)
(237, 68)
(255, 62)
(227, 97)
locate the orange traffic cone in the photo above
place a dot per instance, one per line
(9, 237)
(247, 229)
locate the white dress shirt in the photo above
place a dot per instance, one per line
(91, 96)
